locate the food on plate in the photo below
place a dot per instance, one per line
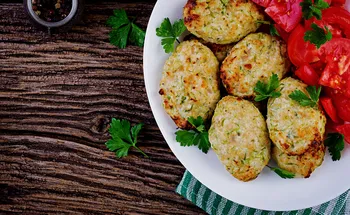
(294, 128)
(239, 137)
(301, 165)
(221, 22)
(255, 58)
(190, 83)
(220, 50)
(314, 36)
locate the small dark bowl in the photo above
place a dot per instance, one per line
(60, 26)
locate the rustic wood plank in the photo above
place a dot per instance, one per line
(57, 96)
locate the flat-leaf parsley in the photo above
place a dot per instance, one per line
(170, 33)
(335, 144)
(264, 91)
(198, 137)
(124, 31)
(123, 137)
(305, 100)
(317, 36)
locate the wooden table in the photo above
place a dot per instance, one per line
(57, 97)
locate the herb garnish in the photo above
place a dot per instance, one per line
(318, 36)
(335, 143)
(265, 91)
(170, 33)
(273, 30)
(123, 137)
(198, 137)
(310, 9)
(303, 99)
(282, 173)
(124, 31)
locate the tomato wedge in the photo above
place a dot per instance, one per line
(336, 55)
(328, 106)
(263, 3)
(338, 2)
(345, 130)
(299, 51)
(339, 17)
(307, 74)
(342, 105)
(286, 13)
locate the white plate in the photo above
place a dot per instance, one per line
(268, 191)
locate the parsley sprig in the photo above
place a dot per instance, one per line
(317, 36)
(282, 173)
(305, 100)
(123, 137)
(265, 91)
(273, 30)
(170, 33)
(335, 144)
(198, 137)
(124, 31)
(310, 9)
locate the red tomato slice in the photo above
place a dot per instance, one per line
(337, 56)
(263, 3)
(342, 105)
(299, 51)
(318, 67)
(328, 106)
(345, 130)
(307, 74)
(286, 13)
(338, 16)
(338, 3)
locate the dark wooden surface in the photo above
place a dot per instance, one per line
(57, 96)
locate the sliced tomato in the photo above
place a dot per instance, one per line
(299, 51)
(328, 106)
(263, 3)
(345, 130)
(342, 105)
(338, 2)
(339, 17)
(307, 74)
(284, 35)
(336, 55)
(286, 13)
(318, 67)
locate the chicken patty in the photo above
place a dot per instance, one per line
(190, 83)
(242, 148)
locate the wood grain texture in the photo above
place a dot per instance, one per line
(57, 96)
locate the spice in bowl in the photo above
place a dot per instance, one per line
(52, 10)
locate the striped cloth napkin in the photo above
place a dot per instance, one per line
(212, 203)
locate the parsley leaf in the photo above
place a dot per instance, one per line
(273, 30)
(310, 9)
(335, 143)
(282, 173)
(124, 31)
(198, 137)
(170, 33)
(318, 36)
(265, 91)
(303, 99)
(123, 138)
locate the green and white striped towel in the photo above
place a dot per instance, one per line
(212, 203)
